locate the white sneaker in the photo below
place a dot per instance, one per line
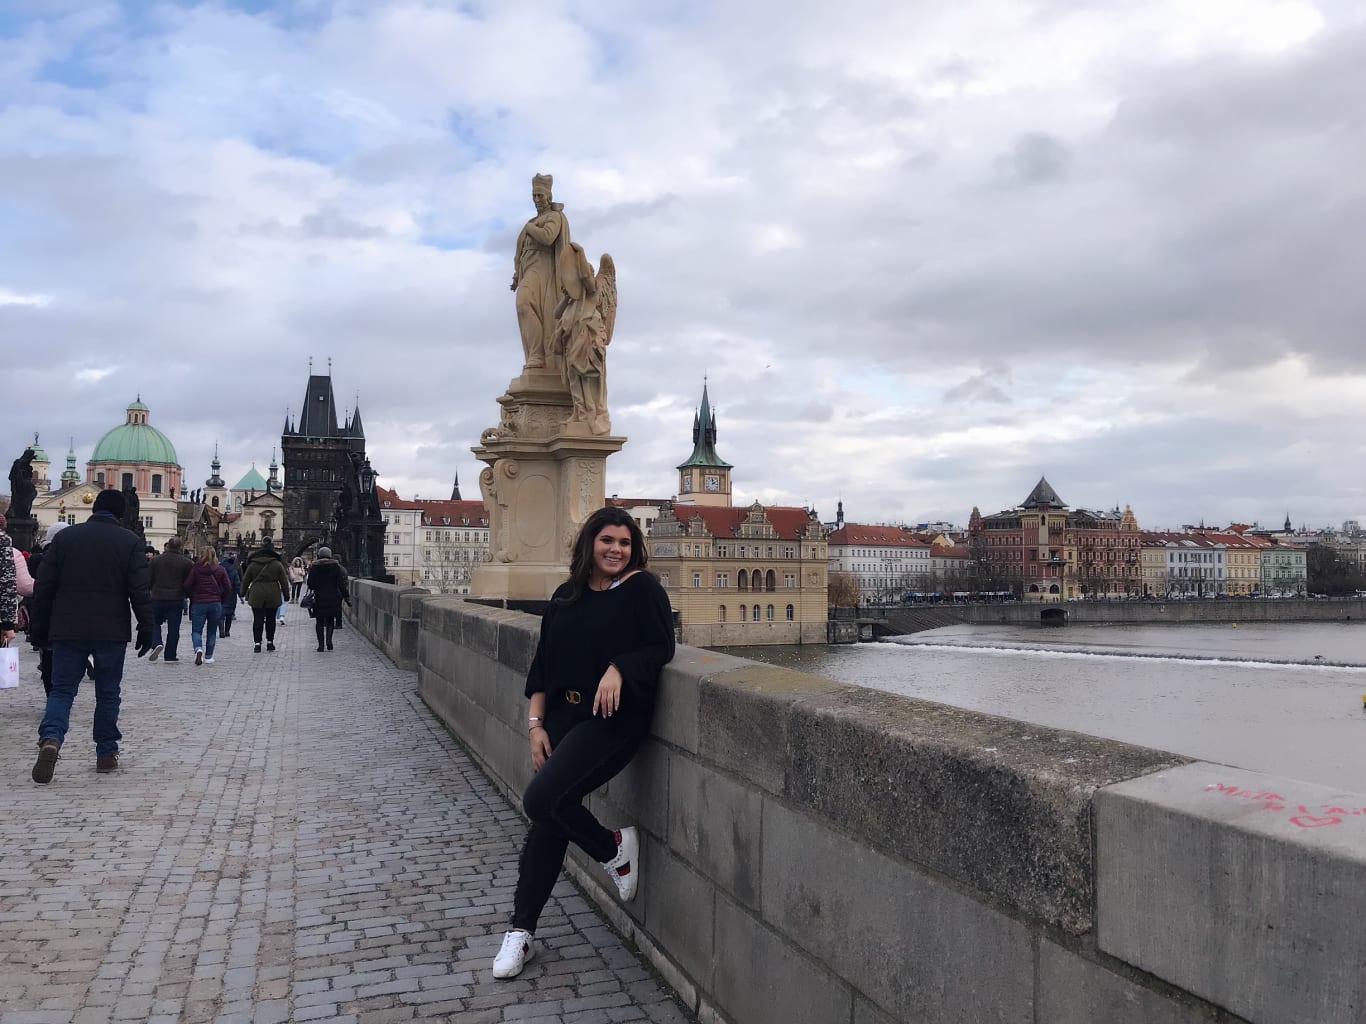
(519, 949)
(156, 652)
(625, 866)
(208, 660)
(199, 656)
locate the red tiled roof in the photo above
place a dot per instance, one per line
(434, 510)
(725, 520)
(636, 502)
(886, 536)
(953, 551)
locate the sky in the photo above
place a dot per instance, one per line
(923, 253)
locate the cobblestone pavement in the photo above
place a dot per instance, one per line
(290, 836)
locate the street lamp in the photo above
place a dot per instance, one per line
(367, 489)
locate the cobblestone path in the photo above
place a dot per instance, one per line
(290, 837)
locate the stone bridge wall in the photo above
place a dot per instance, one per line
(823, 853)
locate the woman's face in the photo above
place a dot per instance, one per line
(611, 550)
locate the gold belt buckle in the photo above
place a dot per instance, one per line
(573, 697)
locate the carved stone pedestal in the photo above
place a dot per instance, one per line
(23, 532)
(545, 477)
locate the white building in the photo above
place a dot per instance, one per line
(449, 540)
(885, 561)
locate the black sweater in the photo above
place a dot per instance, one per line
(630, 626)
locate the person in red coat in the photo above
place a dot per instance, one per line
(207, 587)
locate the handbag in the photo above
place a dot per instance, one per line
(9, 667)
(307, 601)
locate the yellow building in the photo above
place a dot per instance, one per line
(736, 574)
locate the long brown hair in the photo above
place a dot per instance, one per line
(581, 561)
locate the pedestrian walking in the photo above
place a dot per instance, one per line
(207, 587)
(605, 637)
(229, 564)
(35, 564)
(169, 570)
(9, 589)
(91, 575)
(297, 574)
(265, 585)
(328, 584)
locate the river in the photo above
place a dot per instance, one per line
(1283, 698)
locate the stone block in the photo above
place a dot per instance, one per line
(1242, 888)
(517, 639)
(1000, 805)
(675, 718)
(479, 630)
(760, 979)
(641, 791)
(680, 909)
(1075, 990)
(714, 824)
(742, 719)
(913, 945)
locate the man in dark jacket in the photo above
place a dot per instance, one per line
(169, 571)
(90, 577)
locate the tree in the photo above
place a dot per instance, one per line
(1329, 572)
(842, 591)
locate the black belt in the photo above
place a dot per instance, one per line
(573, 697)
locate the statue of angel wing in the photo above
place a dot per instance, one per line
(606, 284)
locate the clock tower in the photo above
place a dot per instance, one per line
(704, 479)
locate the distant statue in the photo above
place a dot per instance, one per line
(543, 264)
(131, 509)
(585, 319)
(22, 491)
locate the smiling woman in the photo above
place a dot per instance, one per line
(605, 637)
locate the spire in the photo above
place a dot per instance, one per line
(455, 491)
(1288, 527)
(839, 515)
(273, 484)
(69, 475)
(355, 429)
(319, 415)
(704, 437)
(216, 480)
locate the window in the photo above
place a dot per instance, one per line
(790, 613)
(789, 580)
(722, 580)
(769, 611)
(723, 613)
(742, 613)
(99, 479)
(742, 580)
(697, 581)
(215, 501)
(664, 579)
(754, 614)
(156, 483)
(127, 481)
(771, 580)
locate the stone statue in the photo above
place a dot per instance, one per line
(131, 509)
(543, 264)
(22, 491)
(585, 319)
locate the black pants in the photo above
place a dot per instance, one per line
(263, 618)
(324, 624)
(585, 753)
(294, 590)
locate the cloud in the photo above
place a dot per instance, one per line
(923, 253)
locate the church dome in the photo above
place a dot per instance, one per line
(135, 441)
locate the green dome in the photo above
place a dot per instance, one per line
(135, 442)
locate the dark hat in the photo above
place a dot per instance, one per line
(267, 544)
(110, 501)
(149, 550)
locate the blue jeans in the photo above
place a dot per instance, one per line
(200, 614)
(68, 666)
(168, 612)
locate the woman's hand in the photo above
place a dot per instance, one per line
(608, 697)
(540, 747)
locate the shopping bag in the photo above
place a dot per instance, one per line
(9, 667)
